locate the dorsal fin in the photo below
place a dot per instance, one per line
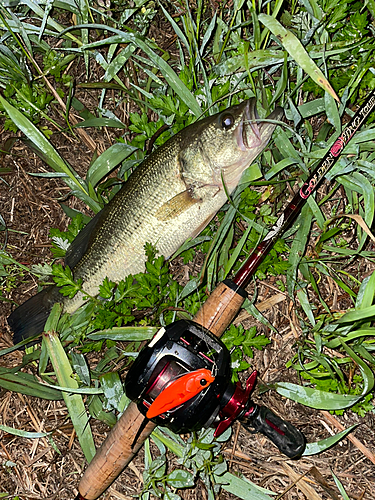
(82, 241)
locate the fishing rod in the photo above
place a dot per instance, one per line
(196, 344)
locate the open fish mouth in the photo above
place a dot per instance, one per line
(253, 131)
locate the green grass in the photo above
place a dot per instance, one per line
(302, 56)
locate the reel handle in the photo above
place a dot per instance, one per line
(283, 434)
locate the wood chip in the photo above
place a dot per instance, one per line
(333, 421)
(314, 472)
(300, 483)
(262, 306)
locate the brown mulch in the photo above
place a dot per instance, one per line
(44, 469)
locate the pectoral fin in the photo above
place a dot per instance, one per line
(176, 206)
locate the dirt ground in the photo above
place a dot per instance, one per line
(35, 469)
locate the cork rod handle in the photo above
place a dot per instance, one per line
(115, 453)
(221, 307)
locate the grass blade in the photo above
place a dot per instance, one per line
(169, 74)
(65, 378)
(357, 315)
(113, 391)
(242, 488)
(49, 153)
(101, 122)
(339, 485)
(118, 63)
(320, 400)
(298, 248)
(324, 444)
(365, 296)
(24, 434)
(332, 112)
(305, 304)
(356, 334)
(257, 59)
(126, 333)
(27, 384)
(366, 372)
(108, 161)
(297, 51)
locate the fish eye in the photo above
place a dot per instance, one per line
(227, 121)
(203, 382)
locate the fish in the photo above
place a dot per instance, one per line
(179, 391)
(171, 196)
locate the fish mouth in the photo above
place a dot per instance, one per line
(252, 131)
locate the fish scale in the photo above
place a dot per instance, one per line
(170, 197)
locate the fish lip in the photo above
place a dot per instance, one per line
(260, 129)
(245, 122)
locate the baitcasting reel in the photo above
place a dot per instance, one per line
(181, 380)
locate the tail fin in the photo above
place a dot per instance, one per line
(30, 317)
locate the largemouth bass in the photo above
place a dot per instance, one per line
(171, 196)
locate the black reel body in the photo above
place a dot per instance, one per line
(176, 350)
(184, 348)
